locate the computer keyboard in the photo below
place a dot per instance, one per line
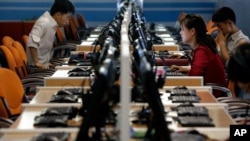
(78, 74)
(69, 111)
(51, 121)
(55, 136)
(174, 73)
(64, 99)
(181, 99)
(184, 92)
(73, 91)
(197, 121)
(192, 111)
(84, 63)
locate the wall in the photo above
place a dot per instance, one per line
(101, 11)
(167, 11)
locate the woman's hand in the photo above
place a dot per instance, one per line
(178, 69)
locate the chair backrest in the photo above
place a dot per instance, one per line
(60, 36)
(23, 56)
(11, 63)
(11, 93)
(221, 91)
(73, 24)
(211, 28)
(19, 47)
(8, 41)
(21, 67)
(19, 55)
(81, 20)
(231, 87)
(68, 33)
(25, 39)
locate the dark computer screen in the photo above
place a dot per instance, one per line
(98, 107)
(150, 90)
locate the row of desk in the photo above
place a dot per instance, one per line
(23, 128)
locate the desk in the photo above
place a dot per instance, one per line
(170, 46)
(44, 94)
(26, 120)
(60, 78)
(184, 80)
(205, 97)
(26, 135)
(217, 112)
(88, 46)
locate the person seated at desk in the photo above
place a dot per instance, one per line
(42, 35)
(239, 69)
(205, 61)
(229, 35)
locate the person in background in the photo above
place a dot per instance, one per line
(228, 38)
(177, 24)
(205, 61)
(239, 69)
(229, 35)
(42, 35)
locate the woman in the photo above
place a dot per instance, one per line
(205, 61)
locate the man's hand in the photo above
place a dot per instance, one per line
(41, 66)
(220, 38)
(51, 66)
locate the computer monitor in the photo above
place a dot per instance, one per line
(98, 108)
(150, 90)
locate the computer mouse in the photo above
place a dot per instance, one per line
(181, 87)
(52, 112)
(51, 138)
(68, 99)
(45, 138)
(73, 61)
(64, 92)
(77, 69)
(85, 63)
(59, 123)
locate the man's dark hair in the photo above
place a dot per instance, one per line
(223, 14)
(62, 6)
(238, 67)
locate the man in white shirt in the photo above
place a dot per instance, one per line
(229, 36)
(42, 35)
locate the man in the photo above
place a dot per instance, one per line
(239, 69)
(42, 35)
(229, 36)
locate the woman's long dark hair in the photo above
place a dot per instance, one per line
(197, 22)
